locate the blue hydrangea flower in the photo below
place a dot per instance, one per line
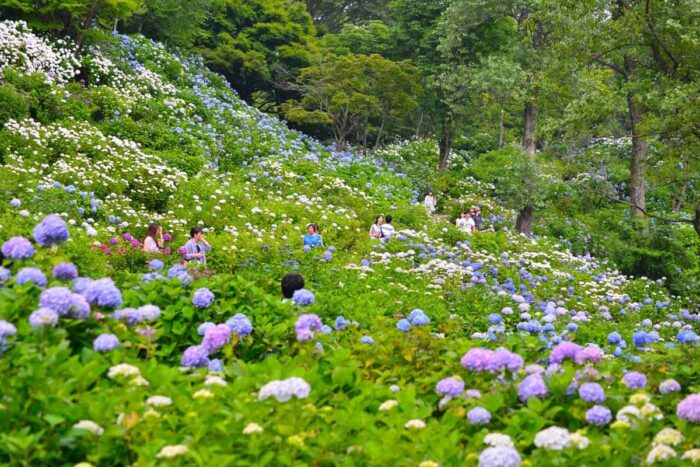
(156, 264)
(418, 318)
(240, 324)
(103, 293)
(366, 340)
(303, 297)
(495, 318)
(532, 386)
(196, 356)
(80, 284)
(59, 299)
(43, 317)
(687, 336)
(33, 275)
(479, 416)
(216, 365)
(51, 230)
(17, 248)
(614, 338)
(592, 392)
(341, 323)
(404, 325)
(202, 329)
(65, 271)
(80, 308)
(5, 274)
(598, 415)
(105, 343)
(634, 380)
(203, 298)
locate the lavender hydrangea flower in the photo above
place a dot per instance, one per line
(216, 337)
(17, 248)
(668, 386)
(240, 324)
(34, 275)
(65, 271)
(564, 351)
(203, 298)
(689, 408)
(15, 202)
(156, 264)
(195, 356)
(450, 387)
(51, 230)
(479, 359)
(366, 340)
(341, 323)
(43, 317)
(588, 354)
(80, 284)
(634, 380)
(216, 365)
(592, 392)
(105, 343)
(7, 329)
(103, 293)
(303, 297)
(5, 274)
(532, 386)
(306, 325)
(479, 416)
(598, 415)
(204, 327)
(59, 299)
(500, 456)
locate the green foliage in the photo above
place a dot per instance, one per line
(12, 104)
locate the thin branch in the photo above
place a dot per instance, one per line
(647, 213)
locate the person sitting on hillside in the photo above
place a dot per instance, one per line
(465, 223)
(196, 247)
(387, 228)
(430, 202)
(154, 239)
(312, 237)
(376, 230)
(291, 283)
(478, 221)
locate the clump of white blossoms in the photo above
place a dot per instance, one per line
(554, 438)
(168, 452)
(89, 425)
(284, 390)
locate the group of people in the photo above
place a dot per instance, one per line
(470, 221)
(194, 250)
(382, 228)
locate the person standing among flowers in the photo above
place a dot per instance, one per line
(465, 223)
(430, 202)
(376, 230)
(478, 221)
(196, 247)
(312, 237)
(387, 228)
(154, 239)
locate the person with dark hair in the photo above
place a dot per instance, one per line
(154, 239)
(196, 247)
(312, 237)
(387, 228)
(376, 230)
(291, 283)
(430, 202)
(478, 221)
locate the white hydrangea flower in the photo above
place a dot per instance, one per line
(169, 452)
(498, 439)
(123, 370)
(554, 438)
(660, 453)
(159, 401)
(669, 437)
(203, 394)
(284, 390)
(388, 405)
(90, 426)
(252, 428)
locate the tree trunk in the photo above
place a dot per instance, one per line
(86, 24)
(445, 141)
(501, 130)
(696, 219)
(379, 133)
(524, 222)
(639, 147)
(529, 135)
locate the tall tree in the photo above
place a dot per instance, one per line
(172, 21)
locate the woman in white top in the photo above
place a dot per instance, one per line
(430, 202)
(465, 223)
(154, 239)
(376, 230)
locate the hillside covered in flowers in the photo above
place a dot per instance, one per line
(435, 347)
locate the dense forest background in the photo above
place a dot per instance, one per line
(583, 115)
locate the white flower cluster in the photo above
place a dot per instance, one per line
(284, 390)
(556, 439)
(29, 53)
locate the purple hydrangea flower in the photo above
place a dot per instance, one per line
(202, 298)
(43, 317)
(592, 392)
(196, 356)
(501, 456)
(598, 415)
(477, 359)
(103, 292)
(668, 386)
(17, 248)
(156, 264)
(216, 365)
(59, 299)
(5, 274)
(689, 408)
(105, 343)
(216, 337)
(306, 325)
(240, 324)
(588, 354)
(65, 271)
(503, 359)
(479, 416)
(564, 351)
(634, 380)
(7, 329)
(341, 323)
(51, 230)
(532, 386)
(204, 327)
(450, 387)
(303, 297)
(26, 275)
(80, 284)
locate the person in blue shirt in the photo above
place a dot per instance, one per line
(312, 237)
